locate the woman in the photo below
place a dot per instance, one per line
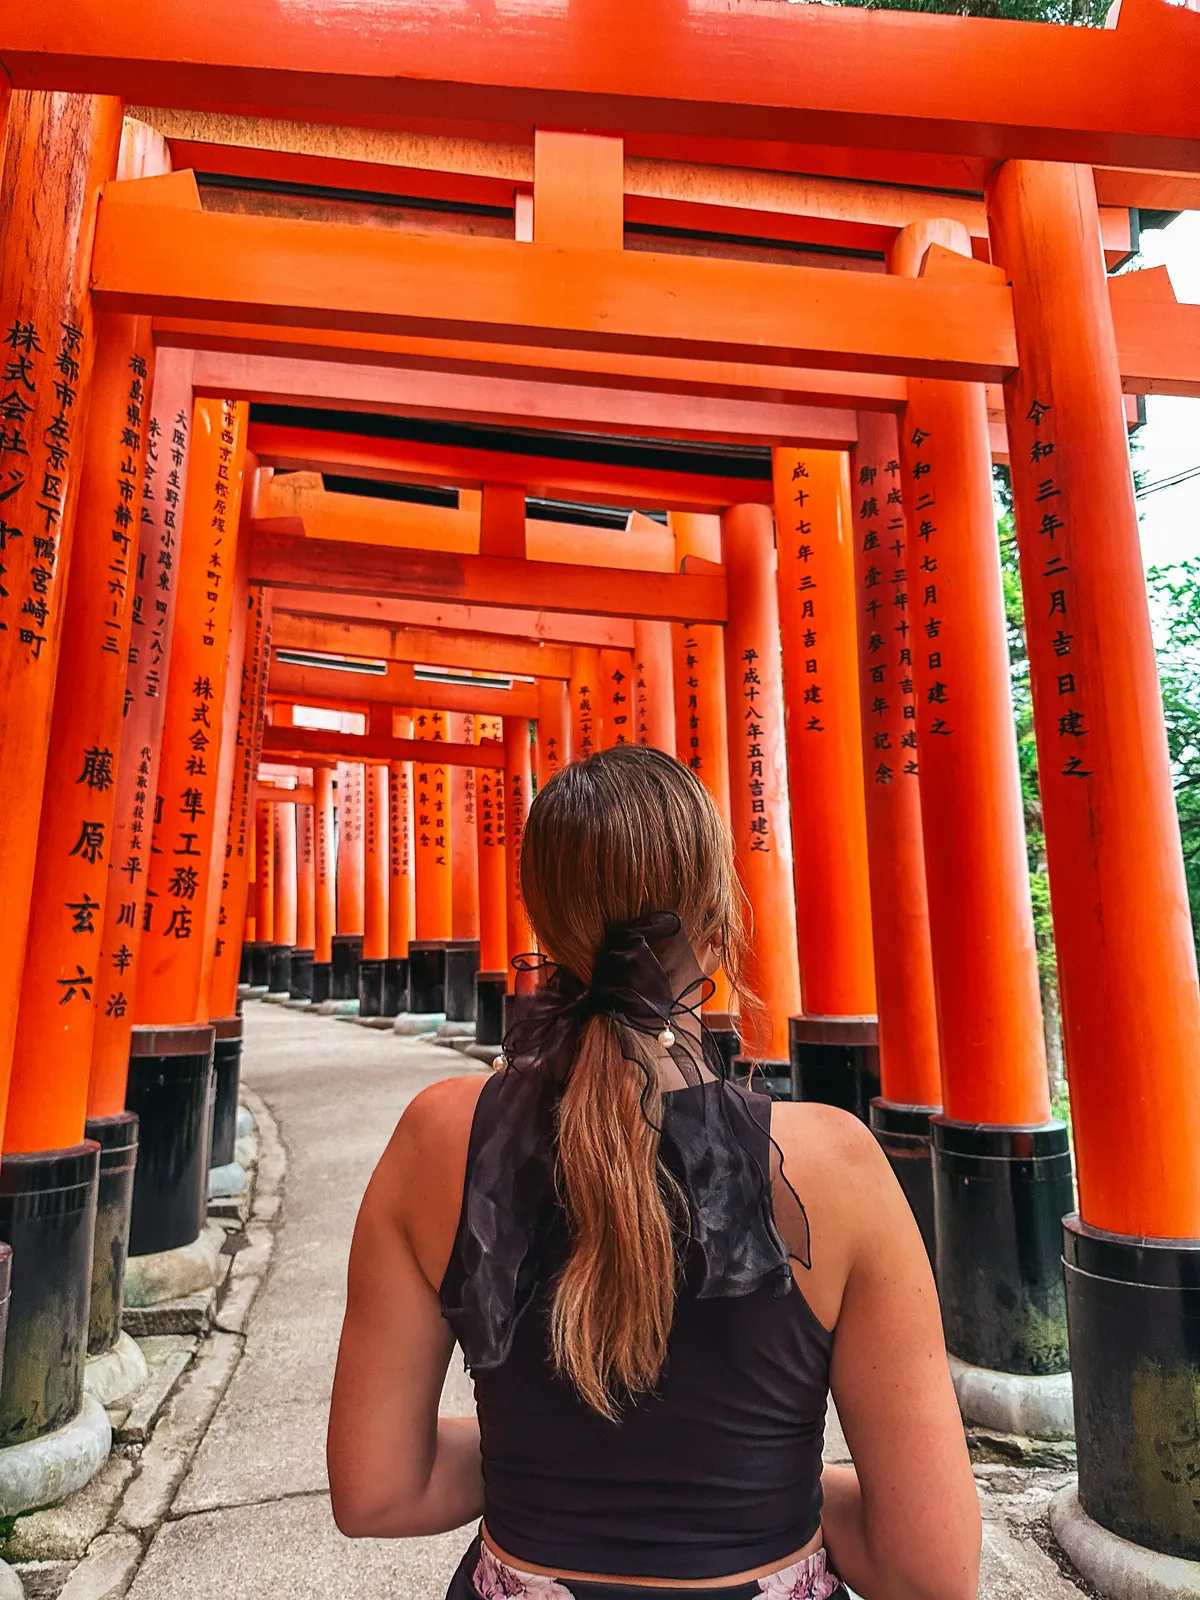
(653, 1320)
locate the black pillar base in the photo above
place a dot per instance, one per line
(395, 986)
(427, 975)
(244, 963)
(835, 1061)
(170, 1074)
(118, 1140)
(903, 1136)
(1000, 1195)
(227, 1075)
(462, 963)
(302, 975)
(722, 1025)
(1133, 1306)
(773, 1078)
(370, 987)
(260, 963)
(490, 989)
(48, 1217)
(322, 982)
(347, 953)
(279, 980)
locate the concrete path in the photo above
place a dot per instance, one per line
(252, 1517)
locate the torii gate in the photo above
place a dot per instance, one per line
(754, 346)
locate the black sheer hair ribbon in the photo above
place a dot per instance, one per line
(714, 1139)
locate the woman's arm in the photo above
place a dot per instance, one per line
(395, 1469)
(903, 1523)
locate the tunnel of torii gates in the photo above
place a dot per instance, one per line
(390, 413)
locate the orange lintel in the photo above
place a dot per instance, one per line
(276, 794)
(287, 560)
(431, 647)
(889, 80)
(310, 274)
(397, 460)
(551, 627)
(1158, 339)
(348, 691)
(325, 745)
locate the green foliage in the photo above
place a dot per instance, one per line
(1175, 594)
(1073, 13)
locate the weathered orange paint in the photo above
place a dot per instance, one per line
(653, 686)
(152, 629)
(433, 840)
(1126, 961)
(616, 698)
(552, 742)
(264, 870)
(493, 866)
(351, 891)
(59, 149)
(578, 189)
(518, 788)
(909, 1066)
(56, 1020)
(698, 652)
(502, 517)
(401, 882)
(815, 577)
(283, 815)
(464, 851)
(474, 652)
(171, 965)
(239, 841)
(436, 624)
(587, 702)
(981, 922)
(325, 911)
(758, 783)
(375, 863)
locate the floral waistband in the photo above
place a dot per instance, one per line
(494, 1579)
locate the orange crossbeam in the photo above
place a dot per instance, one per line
(430, 647)
(309, 274)
(351, 691)
(403, 461)
(325, 746)
(287, 560)
(551, 627)
(887, 80)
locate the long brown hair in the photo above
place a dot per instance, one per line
(627, 832)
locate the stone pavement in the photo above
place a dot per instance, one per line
(252, 1518)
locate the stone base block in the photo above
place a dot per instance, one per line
(226, 1181)
(11, 1587)
(338, 1008)
(172, 1274)
(116, 1376)
(1118, 1569)
(380, 1024)
(245, 1123)
(282, 998)
(414, 1023)
(1009, 1402)
(191, 1316)
(448, 1031)
(43, 1471)
(257, 991)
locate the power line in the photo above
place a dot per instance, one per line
(1168, 483)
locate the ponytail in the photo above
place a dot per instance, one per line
(615, 1298)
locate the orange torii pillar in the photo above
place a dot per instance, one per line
(834, 1042)
(585, 689)
(1002, 1167)
(59, 149)
(462, 953)
(1126, 959)
(375, 890)
(433, 844)
(491, 983)
(402, 907)
(653, 686)
(251, 670)
(701, 733)
(552, 742)
(758, 786)
(264, 897)
(616, 698)
(351, 885)
(170, 1069)
(152, 628)
(283, 819)
(59, 996)
(325, 875)
(909, 1066)
(306, 901)
(517, 791)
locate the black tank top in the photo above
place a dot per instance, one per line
(718, 1471)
